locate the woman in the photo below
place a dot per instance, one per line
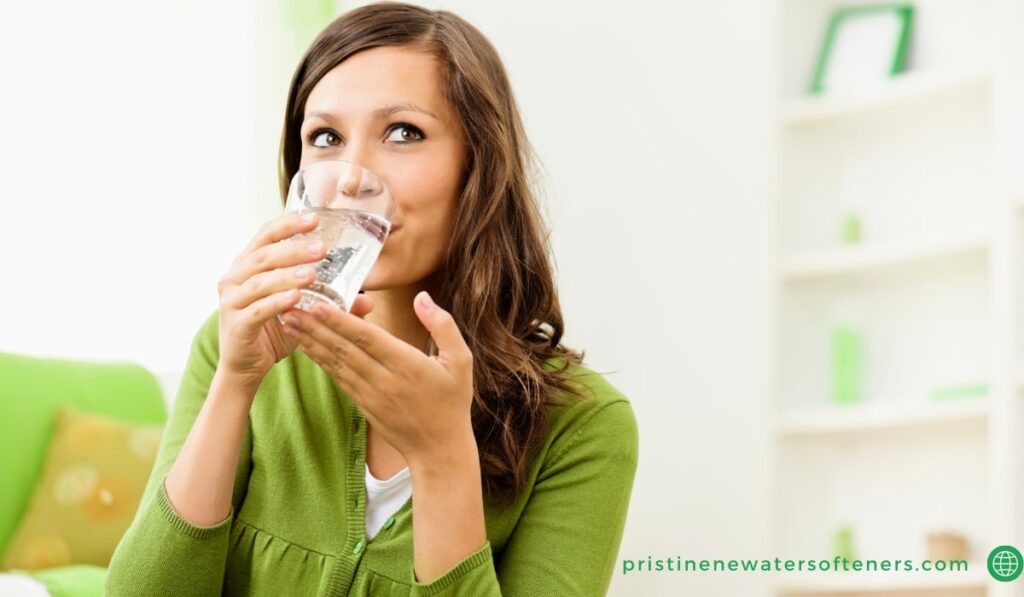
(438, 439)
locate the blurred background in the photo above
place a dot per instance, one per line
(806, 280)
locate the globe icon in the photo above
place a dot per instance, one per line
(1004, 563)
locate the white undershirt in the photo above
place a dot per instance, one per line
(384, 498)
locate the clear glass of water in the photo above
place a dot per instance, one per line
(354, 208)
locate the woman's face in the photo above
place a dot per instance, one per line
(384, 109)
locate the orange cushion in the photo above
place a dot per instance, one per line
(93, 478)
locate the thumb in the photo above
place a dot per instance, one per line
(362, 305)
(441, 325)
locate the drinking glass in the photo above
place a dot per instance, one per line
(355, 209)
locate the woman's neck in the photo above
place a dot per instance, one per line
(393, 311)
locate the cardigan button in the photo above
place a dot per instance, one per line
(358, 549)
(390, 522)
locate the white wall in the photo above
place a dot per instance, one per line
(124, 163)
(139, 155)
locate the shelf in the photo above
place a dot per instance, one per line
(921, 160)
(877, 255)
(871, 416)
(818, 583)
(904, 88)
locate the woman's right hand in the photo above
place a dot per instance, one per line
(260, 284)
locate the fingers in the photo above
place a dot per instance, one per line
(443, 329)
(260, 272)
(361, 336)
(284, 226)
(266, 283)
(265, 250)
(278, 255)
(354, 385)
(344, 358)
(362, 305)
(258, 312)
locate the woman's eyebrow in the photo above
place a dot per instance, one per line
(380, 113)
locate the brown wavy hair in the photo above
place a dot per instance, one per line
(495, 278)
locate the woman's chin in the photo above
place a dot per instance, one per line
(371, 284)
(385, 275)
(378, 280)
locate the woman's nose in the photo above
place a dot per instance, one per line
(355, 180)
(350, 181)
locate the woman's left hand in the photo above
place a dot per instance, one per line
(419, 404)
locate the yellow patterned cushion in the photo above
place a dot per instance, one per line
(92, 481)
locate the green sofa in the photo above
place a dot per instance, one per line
(31, 388)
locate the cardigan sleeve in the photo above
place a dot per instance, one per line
(567, 540)
(160, 544)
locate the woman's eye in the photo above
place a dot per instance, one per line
(399, 133)
(411, 134)
(325, 138)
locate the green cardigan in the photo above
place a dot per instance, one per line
(297, 524)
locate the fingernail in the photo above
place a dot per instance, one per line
(302, 272)
(308, 217)
(426, 302)
(319, 313)
(314, 248)
(290, 320)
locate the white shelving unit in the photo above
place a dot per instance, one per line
(898, 416)
(933, 164)
(905, 88)
(868, 256)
